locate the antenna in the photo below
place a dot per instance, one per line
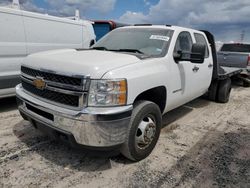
(15, 4)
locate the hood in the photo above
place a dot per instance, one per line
(91, 63)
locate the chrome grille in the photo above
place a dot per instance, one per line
(51, 95)
(61, 90)
(52, 77)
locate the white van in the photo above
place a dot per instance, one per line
(23, 33)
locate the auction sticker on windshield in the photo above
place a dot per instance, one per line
(159, 37)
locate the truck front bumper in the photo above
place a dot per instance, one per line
(94, 127)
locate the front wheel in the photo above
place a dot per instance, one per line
(143, 132)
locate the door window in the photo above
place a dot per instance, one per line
(184, 42)
(200, 39)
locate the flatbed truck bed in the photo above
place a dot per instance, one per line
(227, 72)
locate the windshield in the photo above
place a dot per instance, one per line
(236, 48)
(150, 42)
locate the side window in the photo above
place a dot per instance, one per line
(200, 39)
(184, 42)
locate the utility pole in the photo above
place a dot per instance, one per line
(242, 36)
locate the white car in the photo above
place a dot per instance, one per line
(114, 95)
(23, 33)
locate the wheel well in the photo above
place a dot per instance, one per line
(158, 95)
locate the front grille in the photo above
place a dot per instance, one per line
(52, 77)
(61, 98)
(59, 89)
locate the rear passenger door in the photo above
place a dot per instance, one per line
(206, 68)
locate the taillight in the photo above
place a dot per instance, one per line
(248, 61)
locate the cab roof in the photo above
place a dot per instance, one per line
(171, 27)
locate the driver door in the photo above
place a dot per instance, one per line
(190, 73)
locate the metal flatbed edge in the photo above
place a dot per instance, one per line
(227, 72)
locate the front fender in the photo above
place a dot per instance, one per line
(141, 77)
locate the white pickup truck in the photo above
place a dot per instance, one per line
(114, 95)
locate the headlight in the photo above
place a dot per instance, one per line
(107, 93)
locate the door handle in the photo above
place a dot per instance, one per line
(210, 65)
(195, 69)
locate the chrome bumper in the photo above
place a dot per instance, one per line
(95, 127)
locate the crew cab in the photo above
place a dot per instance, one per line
(114, 95)
(236, 55)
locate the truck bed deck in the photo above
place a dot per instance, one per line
(226, 72)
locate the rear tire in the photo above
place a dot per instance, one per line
(143, 132)
(224, 90)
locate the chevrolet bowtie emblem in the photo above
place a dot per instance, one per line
(39, 83)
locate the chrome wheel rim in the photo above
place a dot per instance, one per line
(145, 133)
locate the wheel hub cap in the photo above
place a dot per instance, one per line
(145, 132)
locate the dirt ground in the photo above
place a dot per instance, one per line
(203, 144)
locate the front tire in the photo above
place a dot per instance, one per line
(143, 132)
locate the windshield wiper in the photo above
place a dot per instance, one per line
(129, 50)
(100, 48)
(118, 50)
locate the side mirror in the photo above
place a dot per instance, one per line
(197, 54)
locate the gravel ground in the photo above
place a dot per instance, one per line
(202, 144)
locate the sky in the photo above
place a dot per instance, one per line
(228, 20)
